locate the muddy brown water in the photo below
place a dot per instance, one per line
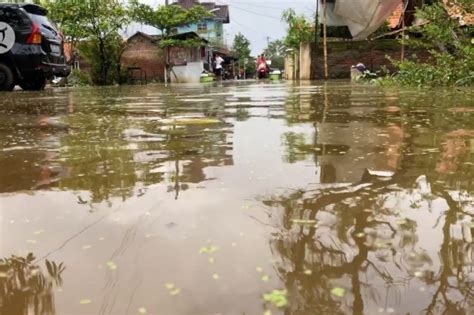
(242, 198)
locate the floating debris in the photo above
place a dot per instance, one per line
(277, 298)
(215, 276)
(142, 310)
(339, 292)
(85, 301)
(208, 250)
(111, 265)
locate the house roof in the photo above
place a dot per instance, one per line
(395, 19)
(221, 12)
(189, 35)
(151, 38)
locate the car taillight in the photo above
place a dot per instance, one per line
(35, 36)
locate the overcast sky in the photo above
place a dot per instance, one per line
(256, 19)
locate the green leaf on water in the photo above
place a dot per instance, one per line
(169, 286)
(339, 292)
(111, 265)
(175, 291)
(277, 298)
(208, 249)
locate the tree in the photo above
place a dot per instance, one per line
(241, 50)
(96, 25)
(300, 30)
(447, 35)
(166, 18)
(276, 52)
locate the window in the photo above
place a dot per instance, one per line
(202, 27)
(15, 18)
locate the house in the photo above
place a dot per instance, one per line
(212, 29)
(188, 63)
(142, 53)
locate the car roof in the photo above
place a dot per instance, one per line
(29, 7)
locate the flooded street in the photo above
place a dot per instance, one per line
(245, 198)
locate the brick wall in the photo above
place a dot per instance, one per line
(143, 53)
(343, 54)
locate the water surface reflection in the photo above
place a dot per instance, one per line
(205, 199)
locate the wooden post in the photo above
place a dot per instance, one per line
(402, 57)
(325, 40)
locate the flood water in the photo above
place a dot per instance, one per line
(243, 198)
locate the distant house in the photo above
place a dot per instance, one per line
(212, 29)
(142, 52)
(189, 63)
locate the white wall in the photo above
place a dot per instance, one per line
(191, 73)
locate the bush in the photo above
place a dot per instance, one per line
(450, 45)
(79, 78)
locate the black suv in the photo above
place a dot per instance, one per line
(31, 47)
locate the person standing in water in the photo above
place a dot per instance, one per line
(219, 61)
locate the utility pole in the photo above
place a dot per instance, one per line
(325, 39)
(316, 25)
(167, 55)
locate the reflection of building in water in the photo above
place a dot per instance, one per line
(350, 134)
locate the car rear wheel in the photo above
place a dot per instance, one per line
(7, 79)
(35, 83)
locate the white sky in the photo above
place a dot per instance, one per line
(256, 19)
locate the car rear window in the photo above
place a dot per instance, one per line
(42, 20)
(14, 17)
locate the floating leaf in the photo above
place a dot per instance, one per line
(142, 310)
(215, 276)
(86, 247)
(259, 269)
(308, 272)
(3, 275)
(38, 232)
(175, 291)
(85, 301)
(169, 286)
(267, 312)
(208, 250)
(211, 260)
(31, 241)
(111, 265)
(339, 292)
(277, 297)
(265, 278)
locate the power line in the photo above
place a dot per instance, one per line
(252, 12)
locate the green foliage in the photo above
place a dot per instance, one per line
(167, 18)
(79, 78)
(241, 46)
(104, 57)
(300, 30)
(449, 44)
(276, 52)
(241, 49)
(94, 25)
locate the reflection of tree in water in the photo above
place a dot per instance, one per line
(25, 289)
(349, 237)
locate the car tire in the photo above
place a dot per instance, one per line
(7, 79)
(35, 83)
